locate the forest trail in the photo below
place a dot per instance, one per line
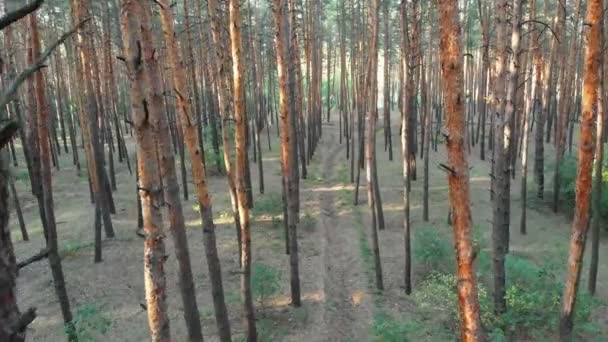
(347, 302)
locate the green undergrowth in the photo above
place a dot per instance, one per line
(385, 326)
(567, 189)
(533, 292)
(89, 323)
(265, 282)
(268, 205)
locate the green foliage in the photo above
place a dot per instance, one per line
(70, 248)
(269, 204)
(567, 174)
(533, 303)
(343, 173)
(432, 250)
(89, 323)
(364, 249)
(211, 157)
(265, 281)
(385, 328)
(437, 301)
(534, 296)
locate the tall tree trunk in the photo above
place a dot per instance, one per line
(501, 174)
(168, 175)
(282, 28)
(89, 117)
(388, 141)
(563, 107)
(46, 183)
(405, 147)
(458, 174)
(532, 93)
(149, 185)
(597, 180)
(370, 148)
(539, 171)
(198, 172)
(580, 224)
(221, 60)
(240, 135)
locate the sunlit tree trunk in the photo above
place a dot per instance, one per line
(88, 121)
(458, 173)
(286, 112)
(149, 185)
(240, 135)
(580, 224)
(221, 60)
(188, 123)
(154, 97)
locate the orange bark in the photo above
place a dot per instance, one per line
(458, 177)
(585, 164)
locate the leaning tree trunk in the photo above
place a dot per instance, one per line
(458, 170)
(597, 181)
(46, 182)
(585, 164)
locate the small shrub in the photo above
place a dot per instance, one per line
(270, 204)
(534, 297)
(385, 328)
(567, 174)
(432, 250)
(265, 281)
(89, 323)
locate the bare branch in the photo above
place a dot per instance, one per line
(12, 89)
(19, 13)
(36, 257)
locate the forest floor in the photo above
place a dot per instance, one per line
(339, 300)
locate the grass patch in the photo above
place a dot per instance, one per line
(89, 323)
(343, 174)
(71, 248)
(385, 328)
(432, 250)
(268, 205)
(265, 282)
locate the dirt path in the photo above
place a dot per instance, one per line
(347, 302)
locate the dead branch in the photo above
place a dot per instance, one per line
(36, 257)
(7, 95)
(19, 13)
